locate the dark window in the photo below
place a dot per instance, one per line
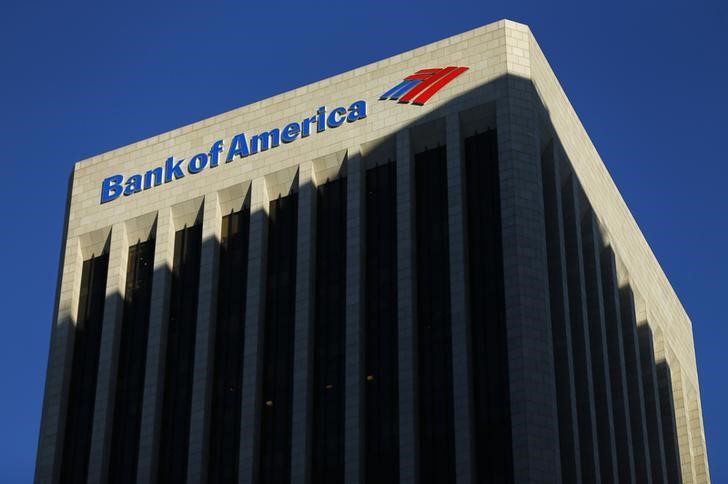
(652, 404)
(489, 349)
(588, 444)
(560, 330)
(85, 365)
(669, 427)
(180, 355)
(434, 349)
(634, 384)
(329, 325)
(597, 336)
(229, 342)
(275, 448)
(132, 363)
(381, 328)
(622, 431)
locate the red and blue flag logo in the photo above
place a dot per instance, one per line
(422, 85)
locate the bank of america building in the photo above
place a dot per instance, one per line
(416, 271)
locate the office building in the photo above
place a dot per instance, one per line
(417, 271)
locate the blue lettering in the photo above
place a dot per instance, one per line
(265, 140)
(320, 118)
(306, 126)
(358, 110)
(156, 173)
(290, 132)
(172, 170)
(133, 185)
(332, 122)
(197, 163)
(238, 147)
(215, 151)
(111, 188)
(116, 185)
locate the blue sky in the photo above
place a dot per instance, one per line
(648, 81)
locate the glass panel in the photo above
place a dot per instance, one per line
(180, 355)
(84, 369)
(494, 462)
(229, 343)
(329, 325)
(381, 329)
(275, 447)
(434, 348)
(132, 363)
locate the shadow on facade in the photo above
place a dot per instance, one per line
(232, 358)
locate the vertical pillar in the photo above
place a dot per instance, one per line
(50, 443)
(619, 373)
(354, 333)
(566, 387)
(651, 393)
(204, 340)
(458, 303)
(304, 326)
(530, 352)
(406, 310)
(682, 421)
(109, 355)
(581, 335)
(598, 336)
(638, 418)
(254, 319)
(700, 457)
(156, 346)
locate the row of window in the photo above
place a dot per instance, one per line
(615, 411)
(380, 380)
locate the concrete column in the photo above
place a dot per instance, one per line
(598, 335)
(581, 337)
(653, 411)
(254, 320)
(304, 327)
(204, 340)
(561, 319)
(406, 310)
(638, 418)
(682, 421)
(50, 442)
(354, 336)
(700, 457)
(109, 355)
(459, 303)
(530, 351)
(615, 339)
(156, 349)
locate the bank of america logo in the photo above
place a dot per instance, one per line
(422, 85)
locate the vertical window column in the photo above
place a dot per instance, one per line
(494, 461)
(381, 420)
(275, 430)
(174, 439)
(581, 350)
(560, 327)
(132, 363)
(329, 319)
(84, 369)
(598, 340)
(434, 344)
(638, 419)
(229, 343)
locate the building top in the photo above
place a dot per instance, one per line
(490, 52)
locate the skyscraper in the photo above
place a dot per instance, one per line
(416, 271)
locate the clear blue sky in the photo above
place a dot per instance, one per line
(648, 80)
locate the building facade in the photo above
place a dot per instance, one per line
(416, 271)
